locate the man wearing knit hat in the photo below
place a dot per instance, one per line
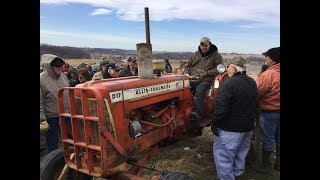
(268, 83)
(202, 69)
(233, 120)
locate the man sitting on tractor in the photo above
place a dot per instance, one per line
(202, 69)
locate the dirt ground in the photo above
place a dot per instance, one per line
(191, 156)
(194, 157)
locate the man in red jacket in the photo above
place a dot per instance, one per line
(268, 84)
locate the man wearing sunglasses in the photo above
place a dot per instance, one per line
(51, 81)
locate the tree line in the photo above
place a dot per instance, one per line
(64, 52)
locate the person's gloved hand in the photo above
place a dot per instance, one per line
(214, 129)
(213, 71)
(44, 126)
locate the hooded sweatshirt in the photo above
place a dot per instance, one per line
(268, 84)
(199, 63)
(50, 85)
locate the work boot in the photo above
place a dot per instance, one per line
(277, 164)
(266, 166)
(194, 119)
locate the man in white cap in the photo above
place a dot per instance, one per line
(233, 120)
(202, 68)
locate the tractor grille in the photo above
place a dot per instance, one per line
(83, 151)
(94, 136)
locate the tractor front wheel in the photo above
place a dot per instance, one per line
(52, 165)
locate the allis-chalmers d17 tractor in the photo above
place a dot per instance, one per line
(117, 124)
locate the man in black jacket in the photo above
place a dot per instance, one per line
(233, 120)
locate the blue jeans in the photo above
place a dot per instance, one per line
(270, 129)
(229, 152)
(200, 90)
(53, 134)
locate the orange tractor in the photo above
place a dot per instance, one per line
(117, 124)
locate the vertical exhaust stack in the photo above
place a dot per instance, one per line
(144, 52)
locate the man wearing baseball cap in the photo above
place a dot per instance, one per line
(233, 120)
(202, 69)
(103, 69)
(132, 68)
(112, 71)
(268, 83)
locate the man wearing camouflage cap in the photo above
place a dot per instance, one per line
(268, 83)
(202, 68)
(233, 120)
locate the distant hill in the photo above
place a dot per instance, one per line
(67, 52)
(64, 52)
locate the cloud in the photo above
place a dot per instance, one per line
(266, 13)
(100, 11)
(91, 37)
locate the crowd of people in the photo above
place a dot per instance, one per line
(237, 101)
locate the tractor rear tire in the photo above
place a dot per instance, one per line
(52, 165)
(174, 176)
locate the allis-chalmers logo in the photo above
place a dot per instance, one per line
(133, 93)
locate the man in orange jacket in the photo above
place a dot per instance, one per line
(268, 84)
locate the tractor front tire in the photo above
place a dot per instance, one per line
(52, 165)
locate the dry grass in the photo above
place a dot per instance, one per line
(75, 62)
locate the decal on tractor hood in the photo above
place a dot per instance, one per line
(116, 96)
(133, 93)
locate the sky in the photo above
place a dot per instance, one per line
(240, 26)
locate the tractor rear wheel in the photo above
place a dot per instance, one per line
(174, 176)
